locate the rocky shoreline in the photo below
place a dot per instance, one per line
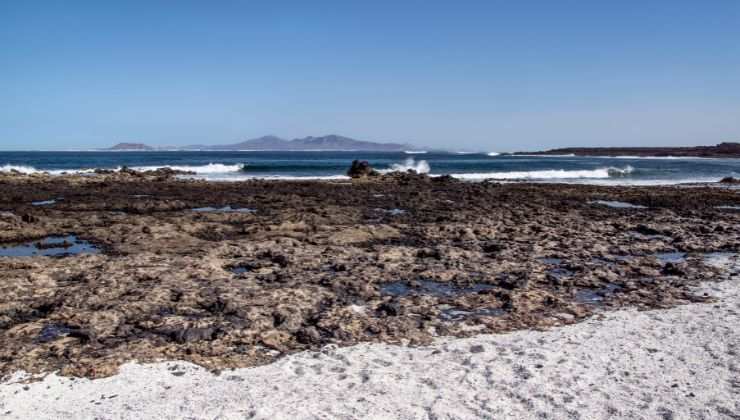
(238, 274)
(722, 150)
(678, 363)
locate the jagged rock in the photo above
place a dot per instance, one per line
(308, 335)
(673, 269)
(361, 169)
(647, 230)
(511, 282)
(391, 308)
(187, 335)
(493, 247)
(29, 218)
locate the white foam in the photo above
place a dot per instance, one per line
(72, 171)
(415, 152)
(493, 154)
(421, 167)
(599, 173)
(642, 182)
(19, 168)
(233, 172)
(31, 170)
(211, 168)
(236, 178)
(621, 171)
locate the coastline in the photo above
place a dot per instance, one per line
(673, 363)
(305, 166)
(254, 279)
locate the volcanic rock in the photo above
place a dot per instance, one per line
(361, 169)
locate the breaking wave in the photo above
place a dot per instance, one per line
(211, 168)
(421, 166)
(268, 177)
(28, 170)
(599, 173)
(621, 171)
(19, 168)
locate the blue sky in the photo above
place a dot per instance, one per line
(489, 75)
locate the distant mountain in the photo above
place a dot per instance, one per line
(260, 143)
(728, 150)
(329, 142)
(130, 146)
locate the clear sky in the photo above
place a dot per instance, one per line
(489, 75)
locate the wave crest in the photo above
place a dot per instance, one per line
(621, 171)
(19, 168)
(599, 173)
(211, 168)
(421, 166)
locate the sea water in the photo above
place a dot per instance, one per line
(240, 165)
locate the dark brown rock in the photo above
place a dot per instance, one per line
(730, 180)
(361, 169)
(188, 335)
(322, 265)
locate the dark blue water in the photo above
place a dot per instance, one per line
(243, 165)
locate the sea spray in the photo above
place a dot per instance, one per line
(621, 171)
(19, 168)
(28, 170)
(421, 166)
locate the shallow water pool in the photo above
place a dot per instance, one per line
(50, 246)
(226, 209)
(617, 204)
(429, 287)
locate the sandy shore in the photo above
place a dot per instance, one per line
(679, 363)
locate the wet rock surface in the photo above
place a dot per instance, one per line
(317, 264)
(225, 209)
(617, 204)
(361, 169)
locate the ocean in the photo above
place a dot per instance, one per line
(234, 166)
